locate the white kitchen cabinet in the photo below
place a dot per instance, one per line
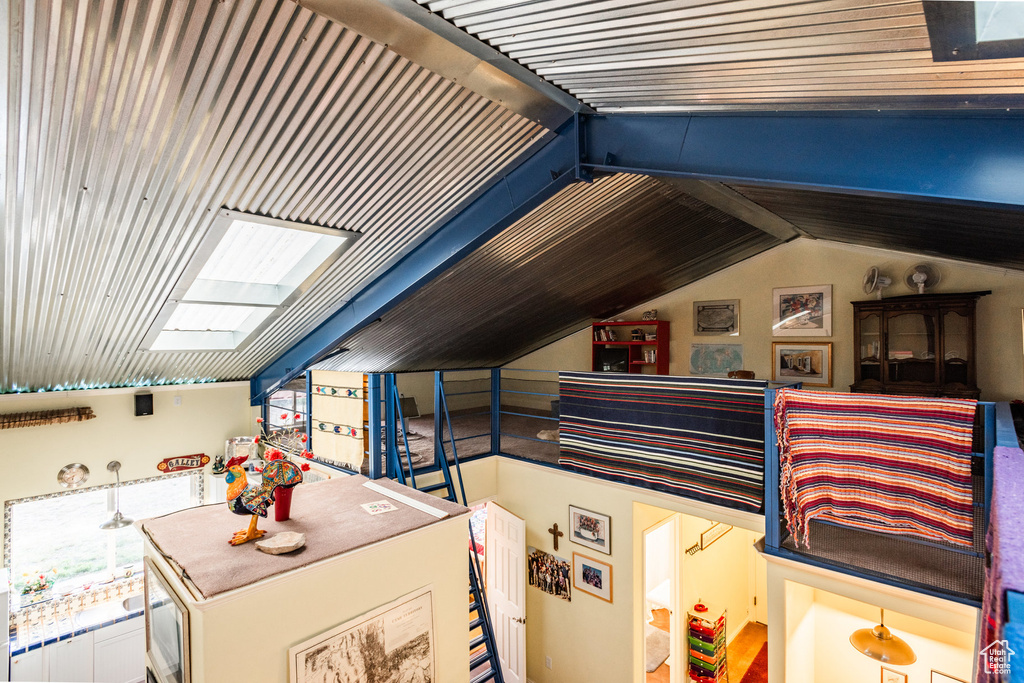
(119, 653)
(70, 660)
(28, 666)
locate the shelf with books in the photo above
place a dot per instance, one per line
(630, 346)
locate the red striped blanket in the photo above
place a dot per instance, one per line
(894, 464)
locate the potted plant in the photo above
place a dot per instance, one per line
(37, 589)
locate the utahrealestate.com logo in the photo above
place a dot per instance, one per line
(996, 657)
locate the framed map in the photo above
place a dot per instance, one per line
(716, 318)
(391, 644)
(715, 359)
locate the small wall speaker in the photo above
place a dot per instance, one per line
(143, 404)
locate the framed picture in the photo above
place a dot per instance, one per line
(802, 311)
(716, 531)
(716, 318)
(717, 360)
(938, 677)
(400, 635)
(591, 529)
(167, 629)
(592, 576)
(807, 362)
(549, 573)
(890, 676)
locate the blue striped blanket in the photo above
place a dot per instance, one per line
(698, 437)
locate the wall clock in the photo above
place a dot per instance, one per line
(72, 476)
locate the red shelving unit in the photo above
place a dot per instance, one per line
(615, 348)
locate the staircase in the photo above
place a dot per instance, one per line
(483, 652)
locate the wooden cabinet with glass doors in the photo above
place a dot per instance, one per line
(922, 345)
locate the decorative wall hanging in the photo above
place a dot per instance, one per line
(802, 311)
(39, 418)
(183, 462)
(592, 576)
(591, 529)
(344, 430)
(716, 318)
(716, 531)
(337, 392)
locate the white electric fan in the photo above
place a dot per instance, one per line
(921, 277)
(875, 282)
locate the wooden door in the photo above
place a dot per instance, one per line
(506, 589)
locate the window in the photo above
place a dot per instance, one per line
(964, 31)
(242, 276)
(286, 407)
(62, 531)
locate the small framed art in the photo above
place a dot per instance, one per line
(807, 362)
(716, 318)
(890, 676)
(802, 311)
(591, 529)
(938, 677)
(592, 576)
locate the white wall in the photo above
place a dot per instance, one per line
(31, 456)
(815, 262)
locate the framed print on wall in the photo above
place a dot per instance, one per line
(591, 529)
(716, 318)
(592, 576)
(890, 676)
(807, 362)
(939, 677)
(802, 311)
(716, 360)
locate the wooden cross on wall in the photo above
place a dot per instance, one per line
(555, 533)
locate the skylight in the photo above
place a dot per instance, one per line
(998, 21)
(242, 276)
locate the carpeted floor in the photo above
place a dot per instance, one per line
(758, 671)
(473, 436)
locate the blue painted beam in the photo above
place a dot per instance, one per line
(973, 158)
(512, 196)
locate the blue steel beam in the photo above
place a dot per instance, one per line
(972, 158)
(520, 190)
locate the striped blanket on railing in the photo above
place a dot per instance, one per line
(892, 464)
(699, 437)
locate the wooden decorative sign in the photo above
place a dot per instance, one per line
(183, 462)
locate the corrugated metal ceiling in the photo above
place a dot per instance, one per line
(671, 55)
(979, 234)
(128, 124)
(528, 285)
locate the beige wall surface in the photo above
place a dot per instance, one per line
(572, 632)
(816, 262)
(31, 456)
(244, 635)
(938, 647)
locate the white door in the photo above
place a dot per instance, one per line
(506, 589)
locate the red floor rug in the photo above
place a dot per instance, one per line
(758, 671)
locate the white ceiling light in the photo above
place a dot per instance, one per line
(242, 276)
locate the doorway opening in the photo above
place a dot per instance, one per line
(703, 600)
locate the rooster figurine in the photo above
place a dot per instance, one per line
(246, 499)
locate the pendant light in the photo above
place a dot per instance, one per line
(879, 643)
(118, 521)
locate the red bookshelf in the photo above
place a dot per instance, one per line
(616, 348)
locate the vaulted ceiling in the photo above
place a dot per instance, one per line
(128, 125)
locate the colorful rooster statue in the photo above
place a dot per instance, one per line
(246, 499)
